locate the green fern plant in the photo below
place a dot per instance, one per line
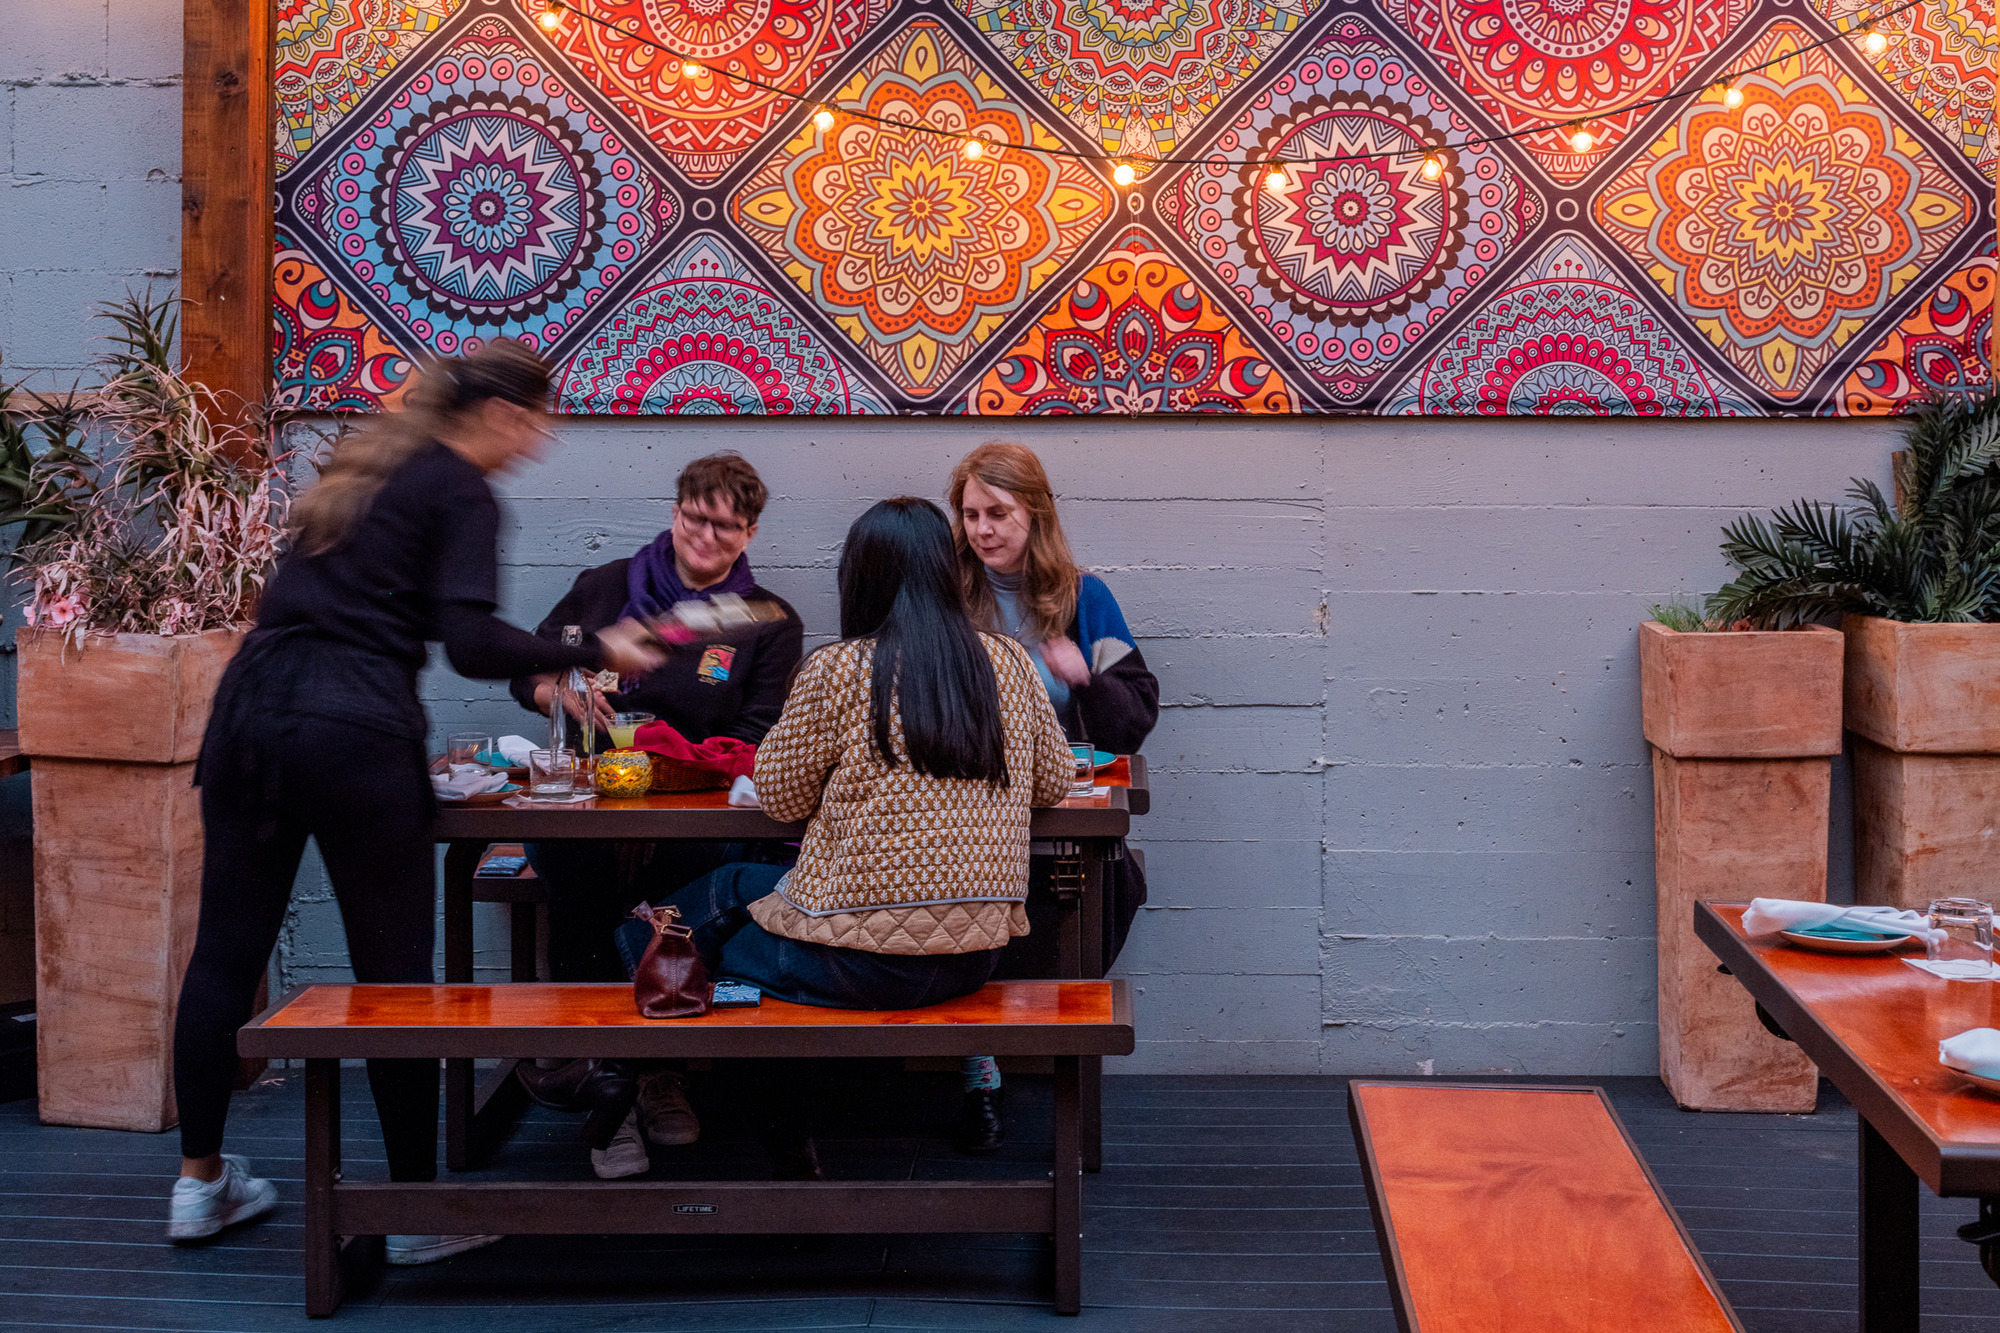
(1933, 555)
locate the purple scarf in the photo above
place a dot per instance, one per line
(653, 585)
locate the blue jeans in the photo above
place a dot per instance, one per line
(716, 908)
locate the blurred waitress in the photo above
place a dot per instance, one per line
(317, 732)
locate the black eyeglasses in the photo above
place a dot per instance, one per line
(715, 526)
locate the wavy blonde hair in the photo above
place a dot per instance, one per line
(505, 368)
(1049, 576)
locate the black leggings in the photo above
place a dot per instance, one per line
(365, 797)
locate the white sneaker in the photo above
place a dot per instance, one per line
(664, 1112)
(404, 1251)
(202, 1208)
(627, 1154)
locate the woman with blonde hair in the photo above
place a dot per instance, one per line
(1020, 579)
(316, 732)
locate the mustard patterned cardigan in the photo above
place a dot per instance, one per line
(895, 861)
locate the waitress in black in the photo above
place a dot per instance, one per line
(317, 732)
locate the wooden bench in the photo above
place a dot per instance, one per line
(1501, 1209)
(324, 1025)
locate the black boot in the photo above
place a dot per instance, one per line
(980, 1129)
(580, 1085)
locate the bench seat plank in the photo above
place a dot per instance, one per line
(599, 1019)
(1502, 1209)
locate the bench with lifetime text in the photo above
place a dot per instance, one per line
(323, 1025)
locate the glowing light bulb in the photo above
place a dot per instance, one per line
(973, 150)
(1581, 141)
(1275, 182)
(1875, 44)
(1433, 166)
(691, 69)
(550, 19)
(823, 119)
(1732, 98)
(1123, 173)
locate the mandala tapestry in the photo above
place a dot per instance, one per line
(1431, 207)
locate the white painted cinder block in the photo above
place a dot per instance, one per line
(1402, 815)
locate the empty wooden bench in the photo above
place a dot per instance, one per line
(1505, 1209)
(324, 1025)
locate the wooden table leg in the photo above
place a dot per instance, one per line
(323, 1279)
(461, 859)
(1093, 917)
(1068, 1177)
(1890, 1286)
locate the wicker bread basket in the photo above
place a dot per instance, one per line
(673, 775)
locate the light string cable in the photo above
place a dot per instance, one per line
(1125, 166)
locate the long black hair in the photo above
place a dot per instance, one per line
(899, 586)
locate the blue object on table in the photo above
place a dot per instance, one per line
(1099, 758)
(1835, 930)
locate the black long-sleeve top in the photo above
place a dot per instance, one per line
(731, 684)
(349, 627)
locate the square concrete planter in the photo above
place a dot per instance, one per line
(1923, 702)
(113, 730)
(1743, 727)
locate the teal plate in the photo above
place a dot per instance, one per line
(1099, 758)
(1845, 939)
(1835, 931)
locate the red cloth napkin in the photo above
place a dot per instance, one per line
(723, 754)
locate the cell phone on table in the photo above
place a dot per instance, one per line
(500, 867)
(737, 995)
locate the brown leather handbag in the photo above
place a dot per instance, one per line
(671, 980)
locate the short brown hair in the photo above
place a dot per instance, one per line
(729, 476)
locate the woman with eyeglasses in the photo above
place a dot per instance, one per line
(727, 684)
(317, 732)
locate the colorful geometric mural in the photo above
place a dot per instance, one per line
(1513, 207)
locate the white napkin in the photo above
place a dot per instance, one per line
(1769, 915)
(466, 780)
(743, 794)
(515, 748)
(1976, 1051)
(1956, 969)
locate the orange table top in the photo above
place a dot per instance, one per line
(1873, 1025)
(1526, 1208)
(601, 1019)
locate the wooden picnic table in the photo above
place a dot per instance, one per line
(1086, 830)
(1873, 1025)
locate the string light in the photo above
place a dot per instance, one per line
(1124, 174)
(973, 150)
(1873, 42)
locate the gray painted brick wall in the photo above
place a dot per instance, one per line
(1402, 815)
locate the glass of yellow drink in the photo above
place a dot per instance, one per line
(624, 726)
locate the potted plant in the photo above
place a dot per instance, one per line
(1916, 580)
(144, 549)
(1742, 724)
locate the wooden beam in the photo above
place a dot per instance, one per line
(227, 110)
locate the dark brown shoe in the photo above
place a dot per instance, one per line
(580, 1085)
(798, 1160)
(980, 1130)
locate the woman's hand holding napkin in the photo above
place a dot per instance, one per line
(1767, 916)
(466, 780)
(1976, 1052)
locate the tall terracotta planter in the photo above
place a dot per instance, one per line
(1743, 727)
(1923, 702)
(113, 731)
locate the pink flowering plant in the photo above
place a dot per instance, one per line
(163, 520)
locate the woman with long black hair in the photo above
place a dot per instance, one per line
(915, 748)
(317, 732)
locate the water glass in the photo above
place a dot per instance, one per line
(551, 774)
(1961, 938)
(1083, 779)
(465, 747)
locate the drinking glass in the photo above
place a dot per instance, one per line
(551, 773)
(625, 728)
(1961, 938)
(465, 747)
(1083, 779)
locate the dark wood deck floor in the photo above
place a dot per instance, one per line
(1225, 1204)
